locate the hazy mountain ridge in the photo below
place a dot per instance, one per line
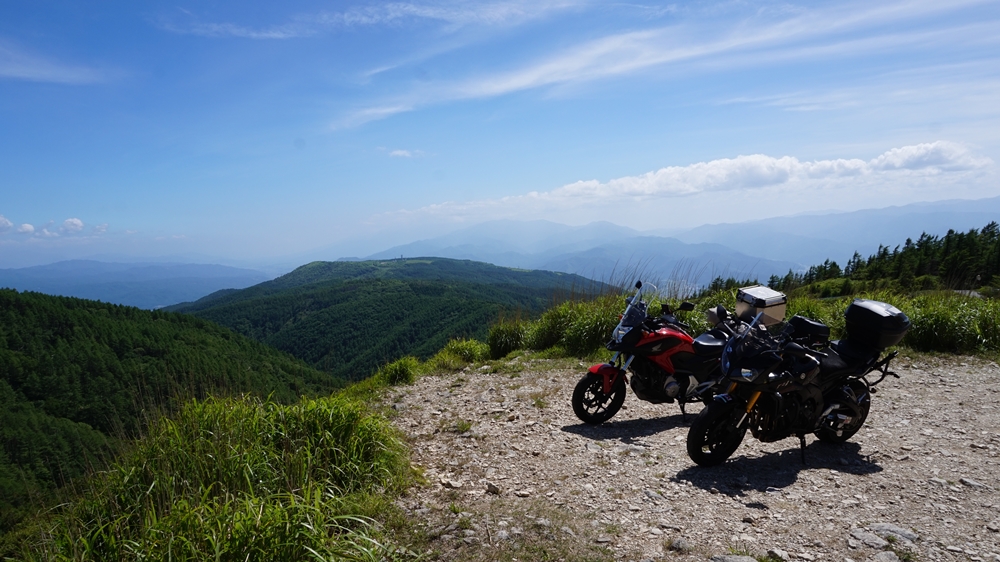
(756, 248)
(145, 285)
(811, 239)
(600, 255)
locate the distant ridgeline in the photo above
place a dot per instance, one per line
(78, 375)
(347, 318)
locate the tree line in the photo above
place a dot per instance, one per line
(958, 260)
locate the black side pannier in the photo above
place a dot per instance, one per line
(809, 332)
(875, 324)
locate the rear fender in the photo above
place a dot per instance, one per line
(610, 374)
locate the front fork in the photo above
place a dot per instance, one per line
(751, 402)
(610, 371)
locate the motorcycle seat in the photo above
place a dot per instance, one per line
(709, 344)
(843, 356)
(809, 332)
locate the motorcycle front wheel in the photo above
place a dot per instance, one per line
(713, 436)
(591, 404)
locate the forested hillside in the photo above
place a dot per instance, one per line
(423, 269)
(957, 260)
(347, 318)
(77, 375)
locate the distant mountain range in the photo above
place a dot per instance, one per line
(811, 239)
(600, 251)
(145, 285)
(757, 248)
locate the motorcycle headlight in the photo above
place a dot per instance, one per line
(620, 333)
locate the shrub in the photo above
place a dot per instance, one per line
(550, 329)
(469, 351)
(506, 336)
(400, 371)
(591, 325)
(953, 323)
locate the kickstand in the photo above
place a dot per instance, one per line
(684, 415)
(802, 446)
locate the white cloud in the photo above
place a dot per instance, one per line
(285, 31)
(453, 14)
(930, 156)
(101, 228)
(5, 224)
(404, 153)
(18, 63)
(713, 44)
(899, 166)
(26, 229)
(72, 225)
(48, 233)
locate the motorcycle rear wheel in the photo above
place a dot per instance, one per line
(829, 434)
(591, 404)
(713, 436)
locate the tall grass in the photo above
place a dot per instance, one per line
(238, 479)
(942, 321)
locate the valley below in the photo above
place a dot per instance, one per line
(509, 473)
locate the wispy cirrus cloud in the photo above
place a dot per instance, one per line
(19, 63)
(941, 161)
(452, 14)
(713, 44)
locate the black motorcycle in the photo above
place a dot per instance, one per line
(795, 382)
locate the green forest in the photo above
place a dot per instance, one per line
(78, 376)
(442, 270)
(958, 260)
(347, 318)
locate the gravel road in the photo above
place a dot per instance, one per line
(511, 474)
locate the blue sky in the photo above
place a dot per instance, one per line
(261, 131)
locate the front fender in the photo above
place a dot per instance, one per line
(610, 373)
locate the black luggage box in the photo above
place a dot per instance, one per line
(808, 331)
(875, 324)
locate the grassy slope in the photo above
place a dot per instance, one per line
(77, 375)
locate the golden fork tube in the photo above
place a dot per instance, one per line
(752, 401)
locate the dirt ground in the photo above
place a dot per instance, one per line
(511, 474)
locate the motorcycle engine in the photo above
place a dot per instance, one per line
(647, 381)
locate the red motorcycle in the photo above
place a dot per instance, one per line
(665, 362)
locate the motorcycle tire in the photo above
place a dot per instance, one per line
(829, 435)
(713, 436)
(591, 404)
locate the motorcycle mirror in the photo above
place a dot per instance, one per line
(686, 307)
(638, 284)
(665, 309)
(722, 313)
